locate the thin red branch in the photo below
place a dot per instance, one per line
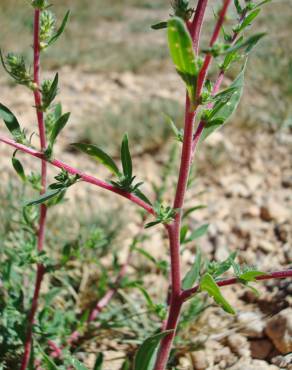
(196, 25)
(272, 275)
(208, 58)
(43, 208)
(74, 171)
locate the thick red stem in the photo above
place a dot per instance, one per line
(85, 177)
(43, 209)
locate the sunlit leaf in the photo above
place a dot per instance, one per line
(182, 54)
(209, 285)
(99, 155)
(10, 120)
(61, 29)
(126, 158)
(223, 110)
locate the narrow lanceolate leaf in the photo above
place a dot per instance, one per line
(198, 233)
(182, 54)
(146, 354)
(159, 26)
(52, 193)
(247, 44)
(223, 110)
(193, 275)
(98, 362)
(52, 93)
(248, 20)
(191, 210)
(18, 168)
(209, 285)
(61, 29)
(142, 196)
(98, 154)
(57, 128)
(250, 275)
(126, 158)
(10, 120)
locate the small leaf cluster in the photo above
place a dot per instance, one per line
(164, 215)
(125, 179)
(15, 66)
(57, 190)
(40, 4)
(182, 9)
(224, 105)
(48, 32)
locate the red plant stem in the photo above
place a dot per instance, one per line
(204, 70)
(43, 209)
(85, 177)
(196, 24)
(272, 275)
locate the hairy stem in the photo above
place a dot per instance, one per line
(43, 209)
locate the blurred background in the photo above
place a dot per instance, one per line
(116, 76)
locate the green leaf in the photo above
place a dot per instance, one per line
(57, 128)
(98, 362)
(182, 53)
(198, 233)
(250, 275)
(247, 21)
(126, 365)
(10, 120)
(159, 26)
(193, 275)
(44, 197)
(222, 111)
(18, 168)
(217, 269)
(52, 93)
(262, 3)
(248, 44)
(142, 196)
(177, 133)
(99, 155)
(192, 209)
(209, 285)
(145, 254)
(146, 355)
(61, 29)
(183, 233)
(126, 158)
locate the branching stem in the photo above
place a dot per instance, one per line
(85, 177)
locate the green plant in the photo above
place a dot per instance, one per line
(206, 106)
